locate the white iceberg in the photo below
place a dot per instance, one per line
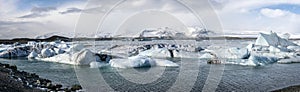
(294, 48)
(58, 51)
(207, 56)
(97, 64)
(76, 48)
(19, 51)
(295, 59)
(159, 53)
(140, 61)
(46, 53)
(83, 57)
(238, 53)
(256, 60)
(33, 54)
(272, 40)
(61, 58)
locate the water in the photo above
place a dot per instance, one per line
(234, 77)
(192, 75)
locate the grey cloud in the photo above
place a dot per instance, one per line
(33, 15)
(42, 9)
(38, 12)
(71, 10)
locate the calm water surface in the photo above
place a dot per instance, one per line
(192, 71)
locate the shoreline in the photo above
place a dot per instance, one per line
(293, 88)
(14, 80)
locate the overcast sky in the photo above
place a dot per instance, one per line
(29, 18)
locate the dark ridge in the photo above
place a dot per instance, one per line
(14, 80)
(25, 40)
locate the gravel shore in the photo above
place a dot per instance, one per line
(295, 88)
(13, 80)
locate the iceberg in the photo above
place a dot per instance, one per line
(83, 57)
(159, 53)
(58, 51)
(239, 53)
(98, 64)
(294, 48)
(272, 40)
(207, 56)
(295, 59)
(256, 60)
(140, 61)
(61, 58)
(46, 53)
(33, 54)
(19, 51)
(76, 48)
(268, 49)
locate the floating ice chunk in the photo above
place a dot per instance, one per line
(290, 60)
(140, 61)
(46, 53)
(97, 64)
(159, 53)
(272, 40)
(207, 56)
(250, 47)
(59, 51)
(83, 57)
(294, 48)
(261, 60)
(161, 62)
(76, 48)
(21, 51)
(32, 54)
(274, 49)
(131, 62)
(240, 53)
(63, 46)
(61, 58)
(286, 36)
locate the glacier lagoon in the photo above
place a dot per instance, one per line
(233, 77)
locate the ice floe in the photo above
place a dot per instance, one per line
(140, 61)
(268, 48)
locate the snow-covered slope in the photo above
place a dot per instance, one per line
(169, 32)
(72, 35)
(199, 32)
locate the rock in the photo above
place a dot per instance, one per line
(214, 61)
(13, 67)
(5, 65)
(76, 87)
(198, 49)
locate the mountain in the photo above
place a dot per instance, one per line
(197, 32)
(193, 32)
